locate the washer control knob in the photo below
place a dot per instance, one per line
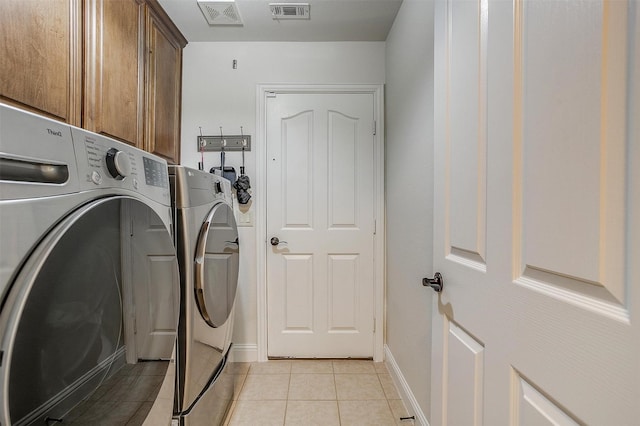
(118, 164)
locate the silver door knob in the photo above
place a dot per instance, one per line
(436, 283)
(275, 241)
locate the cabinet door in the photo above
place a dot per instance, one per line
(164, 78)
(114, 79)
(40, 57)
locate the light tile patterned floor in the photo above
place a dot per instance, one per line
(316, 392)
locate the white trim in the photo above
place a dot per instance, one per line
(260, 204)
(244, 352)
(406, 394)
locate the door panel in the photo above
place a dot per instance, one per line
(534, 408)
(534, 156)
(320, 205)
(577, 245)
(343, 292)
(297, 176)
(464, 358)
(343, 171)
(299, 290)
(466, 160)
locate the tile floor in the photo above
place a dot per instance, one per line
(315, 392)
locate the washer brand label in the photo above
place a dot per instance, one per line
(55, 132)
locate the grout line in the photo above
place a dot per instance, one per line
(336, 400)
(286, 403)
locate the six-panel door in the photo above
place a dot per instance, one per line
(537, 148)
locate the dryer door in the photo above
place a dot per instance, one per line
(65, 325)
(216, 265)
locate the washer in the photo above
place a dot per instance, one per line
(89, 287)
(208, 254)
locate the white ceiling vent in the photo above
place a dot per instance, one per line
(289, 10)
(220, 12)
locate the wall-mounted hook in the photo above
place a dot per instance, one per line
(224, 141)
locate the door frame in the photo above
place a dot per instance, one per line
(379, 256)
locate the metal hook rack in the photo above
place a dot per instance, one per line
(227, 143)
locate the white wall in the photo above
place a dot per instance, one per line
(214, 95)
(409, 193)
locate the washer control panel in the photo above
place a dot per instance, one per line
(106, 163)
(43, 157)
(106, 158)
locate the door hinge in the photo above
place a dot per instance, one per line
(375, 226)
(375, 127)
(374, 324)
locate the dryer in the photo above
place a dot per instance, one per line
(89, 289)
(208, 255)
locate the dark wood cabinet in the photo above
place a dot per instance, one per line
(112, 67)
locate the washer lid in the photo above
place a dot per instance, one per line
(216, 265)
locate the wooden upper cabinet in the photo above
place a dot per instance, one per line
(163, 84)
(114, 69)
(41, 57)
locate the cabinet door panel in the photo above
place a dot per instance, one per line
(40, 57)
(114, 85)
(164, 74)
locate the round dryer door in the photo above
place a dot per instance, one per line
(216, 265)
(93, 309)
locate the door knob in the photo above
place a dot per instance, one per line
(275, 241)
(436, 283)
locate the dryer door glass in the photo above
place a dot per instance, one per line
(217, 257)
(98, 296)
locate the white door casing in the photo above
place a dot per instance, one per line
(537, 224)
(330, 190)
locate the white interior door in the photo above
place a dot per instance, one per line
(320, 205)
(537, 226)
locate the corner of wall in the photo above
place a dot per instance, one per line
(407, 396)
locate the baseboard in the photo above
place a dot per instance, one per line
(406, 394)
(244, 352)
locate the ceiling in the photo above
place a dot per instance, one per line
(331, 20)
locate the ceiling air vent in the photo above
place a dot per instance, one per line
(289, 10)
(220, 12)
